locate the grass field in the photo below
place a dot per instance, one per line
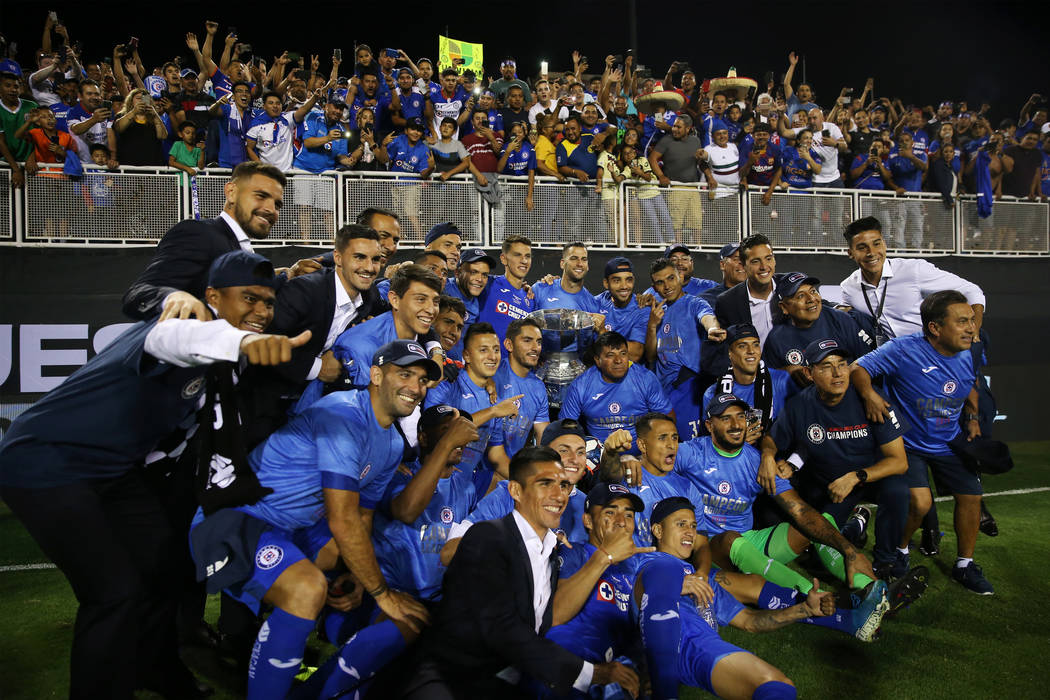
(951, 644)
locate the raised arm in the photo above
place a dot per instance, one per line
(792, 62)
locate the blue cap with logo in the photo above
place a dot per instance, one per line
(792, 282)
(721, 402)
(675, 247)
(729, 250)
(819, 349)
(443, 229)
(186, 72)
(477, 255)
(738, 331)
(406, 353)
(239, 268)
(618, 264)
(602, 494)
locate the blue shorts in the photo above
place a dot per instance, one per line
(685, 400)
(950, 475)
(699, 655)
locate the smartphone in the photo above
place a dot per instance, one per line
(338, 54)
(107, 104)
(826, 133)
(133, 43)
(233, 31)
(543, 67)
(53, 16)
(583, 59)
(63, 53)
(477, 90)
(849, 91)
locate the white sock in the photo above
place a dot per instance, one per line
(963, 562)
(902, 551)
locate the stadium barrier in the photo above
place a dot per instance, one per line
(136, 205)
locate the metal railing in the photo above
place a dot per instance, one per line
(136, 206)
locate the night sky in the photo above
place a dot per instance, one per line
(923, 52)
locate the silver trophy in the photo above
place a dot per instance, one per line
(566, 333)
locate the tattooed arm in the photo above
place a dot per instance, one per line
(817, 604)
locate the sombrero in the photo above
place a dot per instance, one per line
(734, 86)
(672, 99)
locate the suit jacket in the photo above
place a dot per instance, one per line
(732, 305)
(485, 620)
(180, 263)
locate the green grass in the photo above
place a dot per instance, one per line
(951, 644)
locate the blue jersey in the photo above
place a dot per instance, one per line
(697, 621)
(629, 321)
(233, 130)
(797, 172)
(651, 133)
(499, 503)
(104, 419)
(379, 109)
(765, 167)
(578, 156)
(929, 389)
(323, 157)
(1044, 175)
(786, 341)
(603, 628)
(554, 296)
(919, 140)
(473, 305)
(521, 161)
(905, 173)
(407, 158)
(356, 346)
(412, 104)
(532, 407)
(679, 337)
(605, 407)
(654, 489)
(695, 286)
(410, 555)
(728, 483)
(783, 389)
(464, 393)
(870, 178)
(336, 443)
(61, 110)
(501, 302)
(833, 440)
(447, 106)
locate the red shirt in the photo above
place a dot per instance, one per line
(481, 154)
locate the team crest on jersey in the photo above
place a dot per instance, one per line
(446, 515)
(815, 433)
(949, 387)
(193, 387)
(269, 557)
(794, 356)
(614, 407)
(605, 592)
(667, 328)
(501, 307)
(724, 487)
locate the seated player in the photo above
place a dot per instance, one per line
(615, 392)
(328, 468)
(623, 313)
(807, 319)
(516, 377)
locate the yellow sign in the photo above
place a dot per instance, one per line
(471, 54)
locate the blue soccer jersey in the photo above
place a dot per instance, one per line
(630, 321)
(410, 555)
(553, 296)
(728, 484)
(678, 338)
(605, 407)
(695, 286)
(765, 167)
(501, 302)
(654, 489)
(929, 389)
(696, 620)
(786, 342)
(499, 503)
(336, 443)
(412, 104)
(521, 161)
(797, 172)
(464, 393)
(603, 628)
(783, 389)
(532, 407)
(404, 157)
(319, 158)
(358, 344)
(905, 173)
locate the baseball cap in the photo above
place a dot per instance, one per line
(729, 250)
(436, 415)
(565, 426)
(791, 283)
(414, 123)
(740, 330)
(718, 125)
(439, 230)
(819, 349)
(601, 494)
(720, 403)
(670, 505)
(239, 268)
(618, 264)
(406, 353)
(477, 255)
(405, 70)
(188, 71)
(11, 66)
(338, 97)
(674, 247)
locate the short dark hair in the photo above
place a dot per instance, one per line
(575, 118)
(514, 238)
(608, 339)
(424, 254)
(365, 217)
(447, 302)
(351, 231)
(238, 84)
(515, 327)
(449, 71)
(97, 147)
(169, 63)
(86, 82)
(256, 167)
(755, 239)
(516, 87)
(523, 464)
(934, 308)
(183, 125)
(868, 223)
(450, 120)
(659, 264)
(645, 423)
(270, 93)
(574, 244)
(407, 274)
(480, 328)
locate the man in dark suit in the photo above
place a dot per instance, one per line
(173, 283)
(488, 630)
(752, 302)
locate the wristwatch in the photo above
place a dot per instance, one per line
(967, 417)
(862, 476)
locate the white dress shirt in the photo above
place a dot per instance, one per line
(242, 238)
(762, 312)
(187, 342)
(540, 561)
(345, 312)
(905, 282)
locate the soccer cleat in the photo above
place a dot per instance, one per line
(930, 545)
(988, 525)
(855, 529)
(972, 577)
(868, 615)
(907, 589)
(895, 569)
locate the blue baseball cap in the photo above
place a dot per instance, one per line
(740, 330)
(436, 415)
(187, 72)
(477, 255)
(618, 264)
(720, 403)
(9, 65)
(674, 247)
(414, 123)
(718, 125)
(406, 353)
(602, 494)
(791, 283)
(819, 349)
(443, 229)
(670, 505)
(729, 250)
(565, 426)
(239, 268)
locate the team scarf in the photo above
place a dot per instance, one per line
(763, 399)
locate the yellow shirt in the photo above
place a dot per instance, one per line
(545, 153)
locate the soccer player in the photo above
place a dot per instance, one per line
(750, 379)
(506, 297)
(569, 292)
(846, 459)
(71, 471)
(471, 279)
(328, 468)
(615, 392)
(930, 378)
(515, 377)
(623, 313)
(682, 259)
(446, 238)
(449, 329)
(673, 339)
